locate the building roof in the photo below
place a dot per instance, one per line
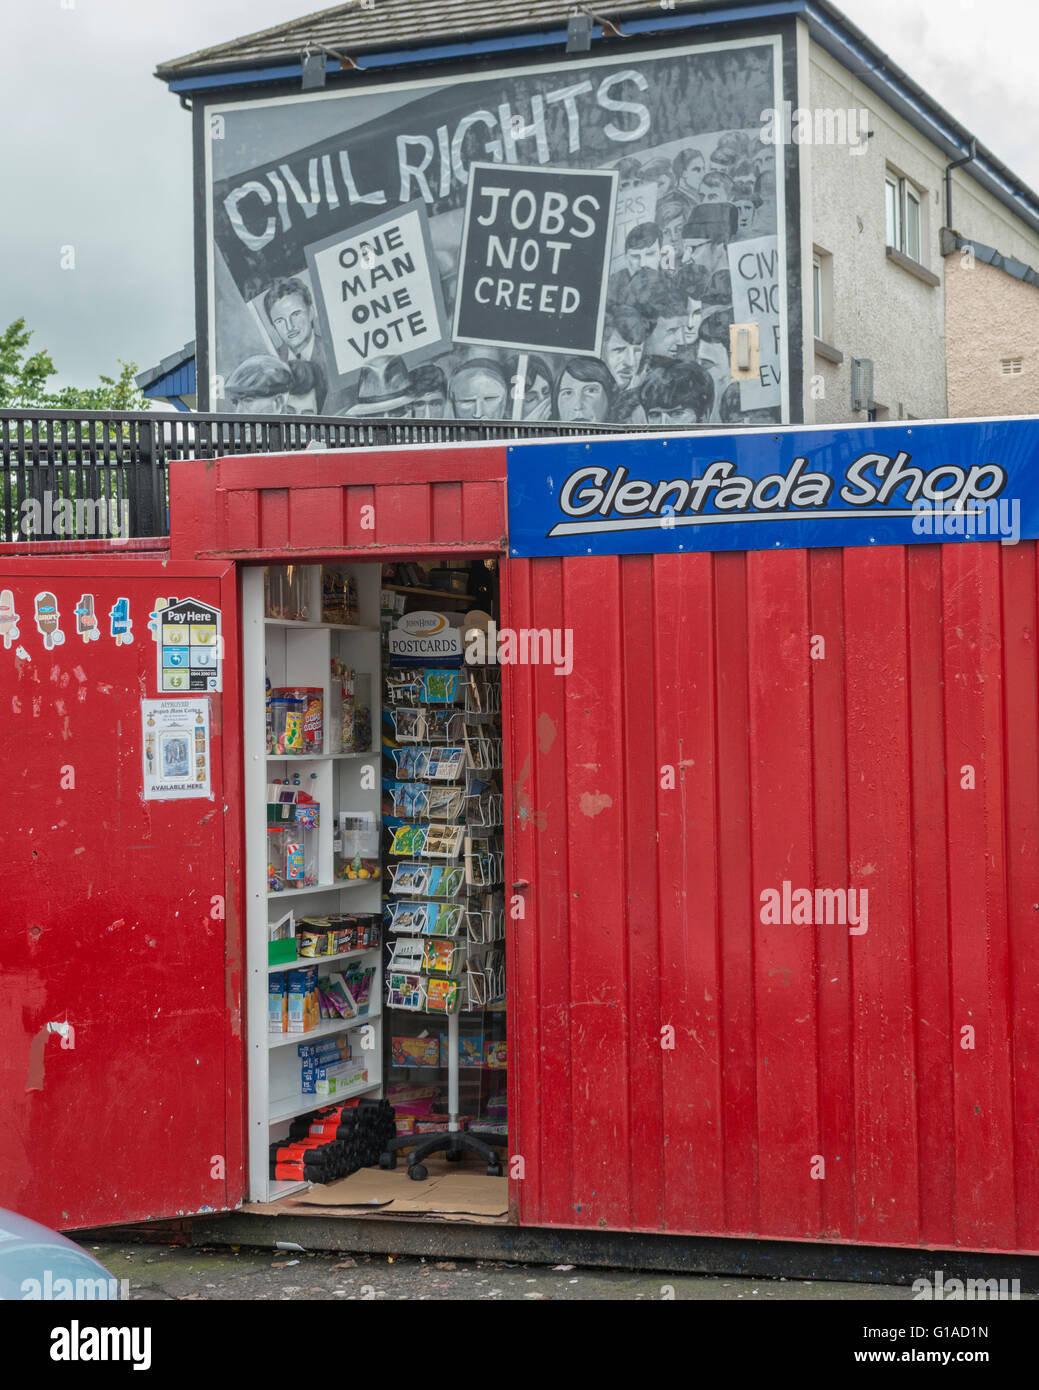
(173, 380)
(351, 28)
(399, 33)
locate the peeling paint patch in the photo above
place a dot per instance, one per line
(593, 802)
(546, 732)
(79, 673)
(22, 654)
(66, 729)
(16, 705)
(37, 1061)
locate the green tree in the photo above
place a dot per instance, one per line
(22, 377)
(23, 380)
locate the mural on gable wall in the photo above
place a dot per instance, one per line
(338, 222)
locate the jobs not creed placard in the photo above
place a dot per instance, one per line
(535, 259)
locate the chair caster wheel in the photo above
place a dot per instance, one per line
(388, 1160)
(494, 1170)
(418, 1171)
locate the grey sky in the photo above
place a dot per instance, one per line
(98, 153)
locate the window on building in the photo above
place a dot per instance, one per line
(817, 293)
(1013, 366)
(822, 295)
(904, 208)
(894, 214)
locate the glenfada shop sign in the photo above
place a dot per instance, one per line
(777, 489)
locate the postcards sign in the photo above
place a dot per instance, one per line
(765, 489)
(425, 638)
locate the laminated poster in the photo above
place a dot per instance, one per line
(175, 746)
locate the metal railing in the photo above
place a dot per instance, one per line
(99, 474)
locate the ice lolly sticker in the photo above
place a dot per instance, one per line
(9, 629)
(86, 621)
(122, 624)
(48, 620)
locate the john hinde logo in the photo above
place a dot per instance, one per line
(596, 499)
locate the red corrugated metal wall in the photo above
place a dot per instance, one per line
(881, 1087)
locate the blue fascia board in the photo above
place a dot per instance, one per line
(479, 48)
(179, 382)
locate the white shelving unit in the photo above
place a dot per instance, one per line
(300, 654)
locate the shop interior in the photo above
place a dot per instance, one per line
(375, 889)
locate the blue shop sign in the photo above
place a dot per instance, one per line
(893, 484)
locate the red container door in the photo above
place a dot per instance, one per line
(120, 1012)
(735, 727)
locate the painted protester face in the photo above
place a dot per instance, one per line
(667, 338)
(693, 173)
(622, 358)
(537, 400)
(477, 395)
(582, 400)
(293, 320)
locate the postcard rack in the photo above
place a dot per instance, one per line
(445, 913)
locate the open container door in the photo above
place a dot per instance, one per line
(120, 1018)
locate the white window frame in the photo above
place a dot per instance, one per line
(900, 196)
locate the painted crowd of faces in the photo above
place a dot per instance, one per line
(669, 307)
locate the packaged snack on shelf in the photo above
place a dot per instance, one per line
(338, 597)
(341, 719)
(434, 1124)
(312, 700)
(495, 1053)
(335, 1048)
(278, 1003)
(415, 1052)
(489, 1127)
(333, 999)
(303, 1013)
(301, 848)
(470, 1050)
(285, 719)
(358, 980)
(277, 839)
(312, 941)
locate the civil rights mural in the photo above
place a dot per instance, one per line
(371, 256)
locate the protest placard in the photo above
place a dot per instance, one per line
(535, 258)
(755, 268)
(379, 292)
